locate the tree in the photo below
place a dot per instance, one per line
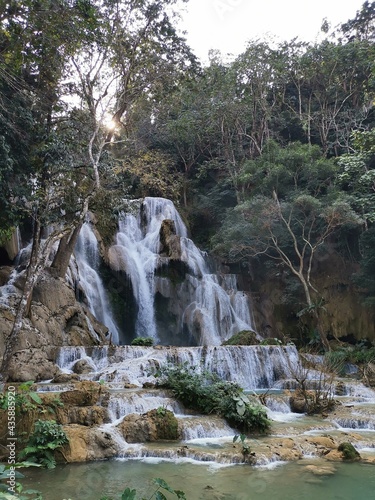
(357, 178)
(119, 50)
(289, 220)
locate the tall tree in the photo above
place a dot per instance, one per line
(119, 49)
(290, 217)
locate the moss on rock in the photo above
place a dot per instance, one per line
(244, 337)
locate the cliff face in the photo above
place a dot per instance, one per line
(55, 319)
(344, 315)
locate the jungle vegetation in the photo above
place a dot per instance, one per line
(270, 155)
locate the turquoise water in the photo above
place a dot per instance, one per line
(292, 481)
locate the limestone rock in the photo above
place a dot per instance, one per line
(323, 442)
(88, 416)
(5, 272)
(82, 366)
(85, 393)
(32, 364)
(320, 470)
(87, 443)
(152, 426)
(64, 378)
(369, 374)
(170, 243)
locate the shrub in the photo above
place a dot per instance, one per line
(143, 341)
(44, 440)
(207, 393)
(271, 341)
(244, 337)
(348, 451)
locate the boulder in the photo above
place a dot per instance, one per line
(85, 393)
(82, 366)
(170, 245)
(5, 272)
(87, 443)
(155, 425)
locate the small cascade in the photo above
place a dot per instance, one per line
(252, 367)
(87, 256)
(203, 309)
(200, 429)
(125, 403)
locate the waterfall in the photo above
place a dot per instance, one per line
(203, 310)
(87, 256)
(252, 367)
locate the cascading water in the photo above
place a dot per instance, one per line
(252, 367)
(205, 311)
(87, 256)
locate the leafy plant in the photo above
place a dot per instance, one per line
(143, 341)
(129, 494)
(348, 451)
(16, 491)
(245, 446)
(45, 439)
(24, 399)
(207, 393)
(271, 341)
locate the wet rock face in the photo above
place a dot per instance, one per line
(169, 242)
(55, 319)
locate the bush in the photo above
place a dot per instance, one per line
(143, 341)
(207, 393)
(45, 439)
(271, 341)
(358, 354)
(348, 451)
(244, 337)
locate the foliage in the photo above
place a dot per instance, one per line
(151, 173)
(315, 383)
(46, 437)
(244, 337)
(348, 451)
(17, 491)
(158, 494)
(25, 399)
(357, 354)
(207, 393)
(143, 341)
(271, 341)
(245, 446)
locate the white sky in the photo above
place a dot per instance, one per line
(228, 24)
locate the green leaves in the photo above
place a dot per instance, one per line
(129, 494)
(46, 437)
(207, 393)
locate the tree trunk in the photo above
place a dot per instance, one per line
(64, 252)
(25, 301)
(316, 313)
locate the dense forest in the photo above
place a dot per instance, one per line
(270, 156)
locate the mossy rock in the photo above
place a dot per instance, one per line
(143, 341)
(271, 341)
(166, 423)
(244, 337)
(348, 451)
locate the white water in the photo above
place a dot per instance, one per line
(252, 367)
(208, 311)
(87, 256)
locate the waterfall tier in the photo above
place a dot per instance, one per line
(178, 299)
(252, 367)
(87, 256)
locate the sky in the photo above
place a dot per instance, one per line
(228, 24)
